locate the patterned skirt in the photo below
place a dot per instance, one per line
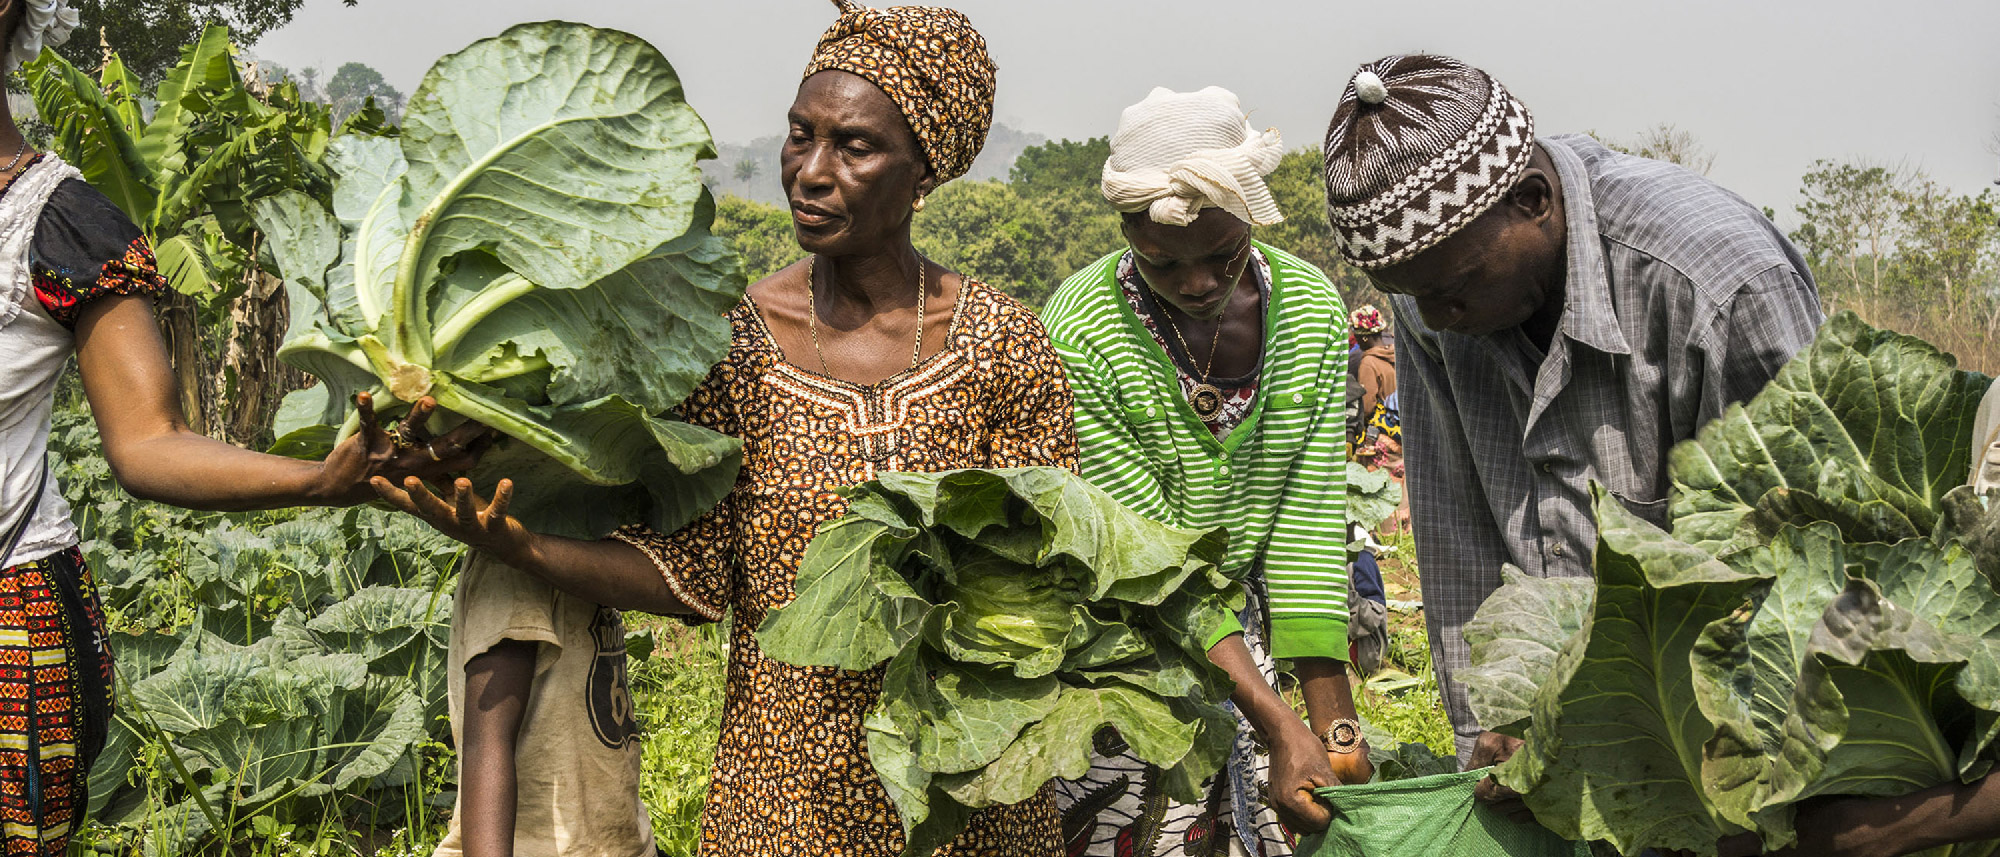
(55, 700)
(1117, 809)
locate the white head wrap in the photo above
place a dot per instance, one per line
(1177, 153)
(46, 23)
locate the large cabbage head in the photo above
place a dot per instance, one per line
(534, 252)
(1003, 612)
(1013, 614)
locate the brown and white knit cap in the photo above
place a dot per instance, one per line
(1419, 146)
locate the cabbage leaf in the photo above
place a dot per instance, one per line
(1018, 612)
(1516, 637)
(1822, 619)
(1372, 496)
(1867, 429)
(534, 251)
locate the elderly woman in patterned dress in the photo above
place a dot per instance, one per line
(864, 357)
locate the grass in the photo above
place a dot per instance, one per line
(1402, 699)
(678, 696)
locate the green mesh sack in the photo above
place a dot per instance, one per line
(1427, 817)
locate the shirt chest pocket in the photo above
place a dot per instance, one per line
(1145, 417)
(1159, 432)
(1652, 511)
(1290, 416)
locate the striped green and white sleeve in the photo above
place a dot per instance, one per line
(1305, 562)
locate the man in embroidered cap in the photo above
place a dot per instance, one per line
(1566, 315)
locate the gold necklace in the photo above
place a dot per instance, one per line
(1204, 398)
(812, 316)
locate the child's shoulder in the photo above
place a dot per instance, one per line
(495, 601)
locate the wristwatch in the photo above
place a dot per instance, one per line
(1342, 736)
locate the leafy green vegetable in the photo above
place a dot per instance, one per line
(265, 723)
(534, 252)
(1516, 637)
(1019, 612)
(1822, 620)
(1867, 429)
(1615, 742)
(1371, 495)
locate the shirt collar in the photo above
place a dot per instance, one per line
(1589, 316)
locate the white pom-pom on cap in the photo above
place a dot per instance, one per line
(1368, 87)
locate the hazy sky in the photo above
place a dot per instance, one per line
(1767, 86)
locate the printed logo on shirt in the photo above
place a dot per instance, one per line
(610, 700)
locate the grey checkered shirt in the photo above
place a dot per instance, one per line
(1681, 299)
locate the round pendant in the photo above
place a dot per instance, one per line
(1206, 401)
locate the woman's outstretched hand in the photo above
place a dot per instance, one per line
(396, 455)
(463, 515)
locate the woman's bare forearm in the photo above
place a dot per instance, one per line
(1256, 698)
(153, 453)
(1329, 697)
(182, 468)
(607, 572)
(147, 442)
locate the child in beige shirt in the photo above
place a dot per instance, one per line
(543, 721)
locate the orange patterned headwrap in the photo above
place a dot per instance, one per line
(931, 62)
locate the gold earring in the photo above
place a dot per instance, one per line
(918, 205)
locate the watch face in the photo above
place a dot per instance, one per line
(1343, 736)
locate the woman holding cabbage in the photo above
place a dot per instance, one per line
(77, 278)
(863, 358)
(1207, 370)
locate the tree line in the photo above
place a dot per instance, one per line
(1047, 220)
(1906, 253)
(1888, 242)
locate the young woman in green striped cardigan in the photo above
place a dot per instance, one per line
(1208, 372)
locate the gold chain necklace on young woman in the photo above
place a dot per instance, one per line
(1204, 398)
(812, 316)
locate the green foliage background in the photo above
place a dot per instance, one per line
(1027, 234)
